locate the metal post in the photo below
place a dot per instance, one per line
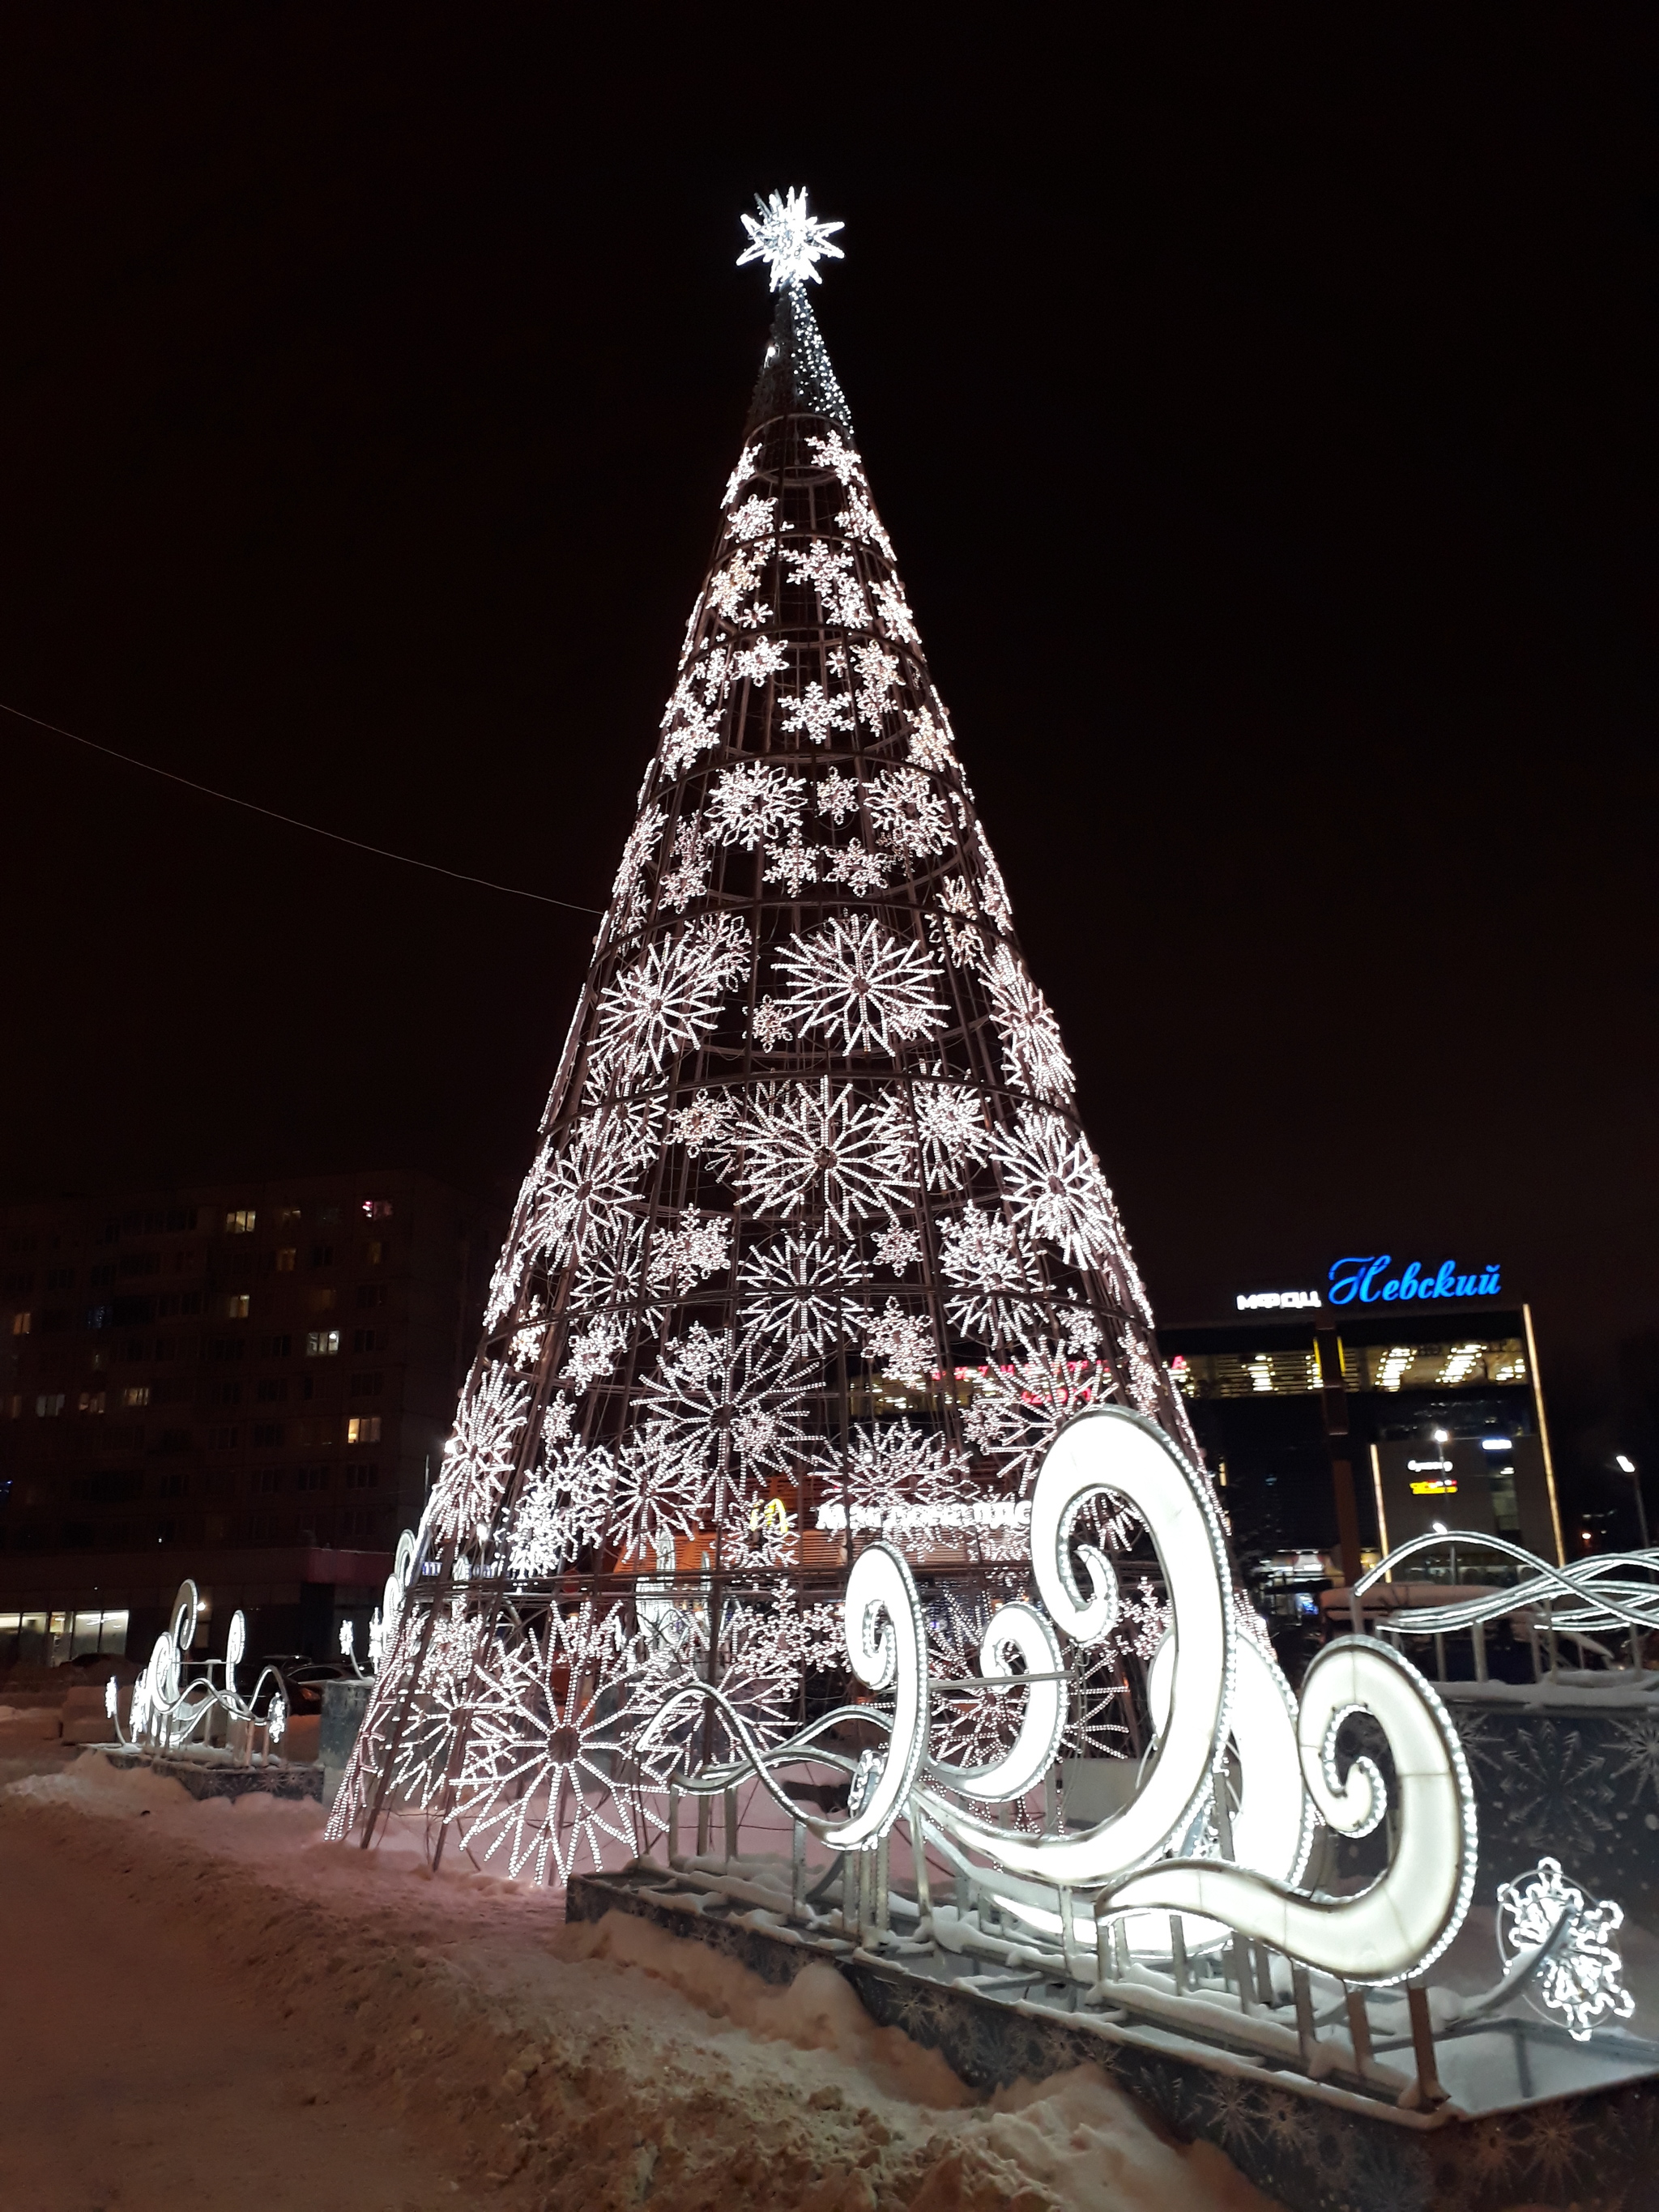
(849, 1891)
(1178, 1952)
(730, 1824)
(1051, 1804)
(798, 1866)
(1103, 1960)
(1440, 1654)
(702, 1827)
(673, 1826)
(1428, 2079)
(1264, 1976)
(1477, 1637)
(1241, 1958)
(884, 1886)
(919, 1853)
(1307, 2038)
(1360, 2029)
(1119, 1948)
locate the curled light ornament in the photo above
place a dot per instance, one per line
(1017, 1629)
(1272, 1824)
(235, 1645)
(1108, 1448)
(887, 1649)
(186, 1612)
(1409, 1915)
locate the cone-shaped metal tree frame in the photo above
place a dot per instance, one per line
(813, 1245)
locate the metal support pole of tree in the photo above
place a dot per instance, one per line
(1334, 1403)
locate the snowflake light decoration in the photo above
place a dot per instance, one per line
(731, 1409)
(862, 872)
(878, 674)
(854, 982)
(859, 520)
(834, 578)
(903, 1342)
(992, 1278)
(770, 1026)
(894, 610)
(1019, 1405)
(792, 864)
(788, 239)
(816, 713)
(1581, 1981)
(908, 814)
(701, 1246)
(1030, 1036)
(764, 658)
(557, 1513)
(953, 924)
(834, 452)
(553, 1736)
(479, 1456)
(669, 998)
(708, 1121)
(803, 1289)
(836, 796)
(748, 461)
(1056, 1188)
(930, 743)
(897, 1248)
(950, 1121)
(686, 876)
(822, 1143)
(755, 519)
(753, 803)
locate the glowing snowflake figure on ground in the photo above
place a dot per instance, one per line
(1583, 1980)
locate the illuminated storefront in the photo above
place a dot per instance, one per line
(1446, 1419)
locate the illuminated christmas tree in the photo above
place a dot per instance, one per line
(813, 1246)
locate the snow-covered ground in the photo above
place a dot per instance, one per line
(208, 2004)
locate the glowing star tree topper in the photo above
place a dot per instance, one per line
(787, 238)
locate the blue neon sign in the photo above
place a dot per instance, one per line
(1354, 1281)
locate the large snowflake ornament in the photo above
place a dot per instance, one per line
(856, 983)
(1030, 1036)
(823, 1145)
(753, 803)
(903, 1342)
(950, 1121)
(668, 999)
(816, 713)
(991, 1278)
(789, 239)
(803, 1289)
(553, 1771)
(480, 1453)
(732, 1409)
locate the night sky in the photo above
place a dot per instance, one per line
(1262, 423)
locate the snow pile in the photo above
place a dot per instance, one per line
(567, 2069)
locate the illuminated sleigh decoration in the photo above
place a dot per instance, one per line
(176, 1699)
(1137, 1881)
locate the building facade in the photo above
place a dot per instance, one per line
(250, 1383)
(1445, 1419)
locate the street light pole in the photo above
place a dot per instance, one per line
(1626, 1466)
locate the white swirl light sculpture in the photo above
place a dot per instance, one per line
(1407, 1918)
(887, 1647)
(1019, 1630)
(1108, 1450)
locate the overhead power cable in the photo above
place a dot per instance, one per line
(334, 836)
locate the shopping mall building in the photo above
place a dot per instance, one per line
(1418, 1374)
